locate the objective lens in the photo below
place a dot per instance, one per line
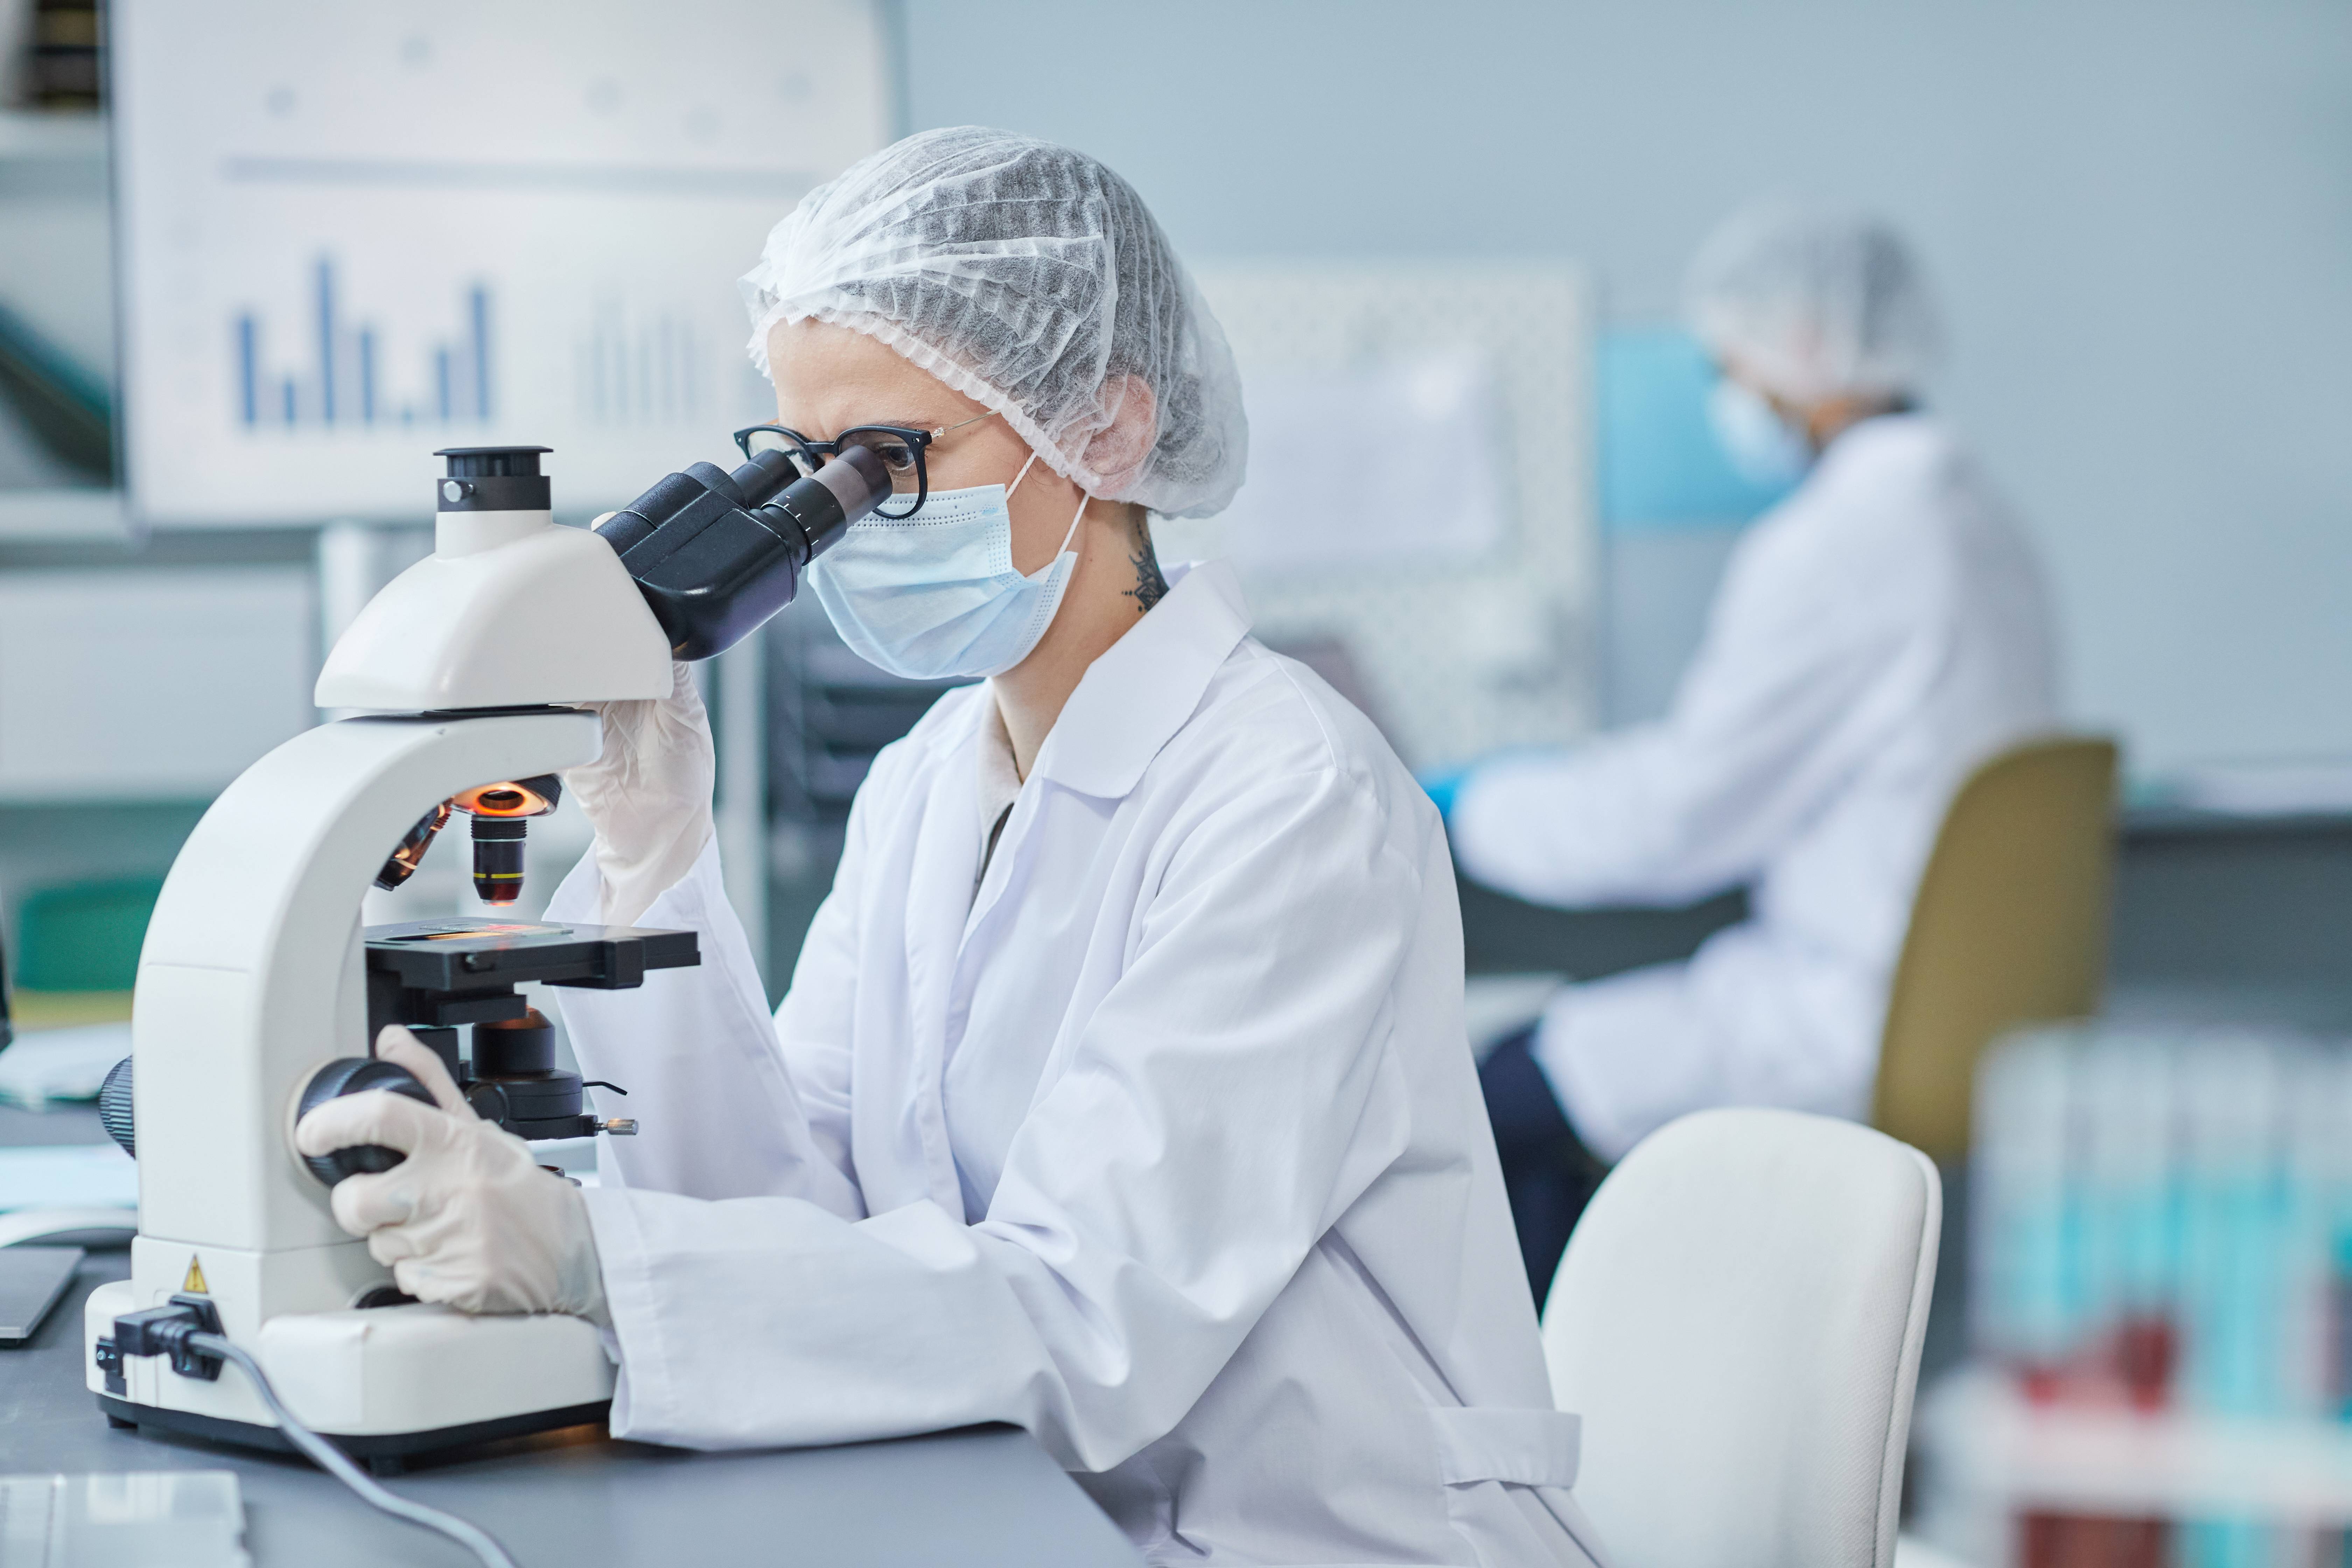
(498, 858)
(501, 814)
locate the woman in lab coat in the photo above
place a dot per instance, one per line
(1122, 1091)
(1877, 636)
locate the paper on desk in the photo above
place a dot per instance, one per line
(67, 1175)
(193, 1518)
(62, 1064)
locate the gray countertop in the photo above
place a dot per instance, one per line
(974, 1497)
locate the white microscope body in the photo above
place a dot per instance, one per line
(469, 667)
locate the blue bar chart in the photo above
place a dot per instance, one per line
(337, 370)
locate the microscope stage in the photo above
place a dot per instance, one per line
(468, 956)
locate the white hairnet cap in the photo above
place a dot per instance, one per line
(1033, 279)
(1814, 302)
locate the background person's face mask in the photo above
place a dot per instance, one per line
(1763, 446)
(934, 596)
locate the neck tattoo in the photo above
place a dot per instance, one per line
(1150, 587)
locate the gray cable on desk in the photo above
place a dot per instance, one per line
(332, 1461)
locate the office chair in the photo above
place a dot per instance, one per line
(2009, 927)
(1737, 1320)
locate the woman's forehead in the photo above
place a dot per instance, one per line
(833, 375)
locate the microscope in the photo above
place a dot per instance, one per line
(260, 995)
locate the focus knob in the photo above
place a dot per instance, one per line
(355, 1075)
(114, 1106)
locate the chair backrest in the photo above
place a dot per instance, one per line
(1737, 1320)
(2009, 927)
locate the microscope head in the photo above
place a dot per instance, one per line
(513, 612)
(509, 611)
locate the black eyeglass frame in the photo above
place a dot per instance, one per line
(814, 453)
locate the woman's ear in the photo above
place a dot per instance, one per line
(1118, 451)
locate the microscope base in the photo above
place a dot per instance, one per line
(378, 1381)
(373, 1448)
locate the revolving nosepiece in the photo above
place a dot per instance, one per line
(502, 815)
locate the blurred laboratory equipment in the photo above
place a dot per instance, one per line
(57, 319)
(2160, 1291)
(827, 714)
(52, 55)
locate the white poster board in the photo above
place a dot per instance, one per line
(1418, 520)
(1366, 498)
(352, 234)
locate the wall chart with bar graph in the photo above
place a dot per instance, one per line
(338, 366)
(351, 235)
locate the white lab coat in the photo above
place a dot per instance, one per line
(1164, 1143)
(1877, 636)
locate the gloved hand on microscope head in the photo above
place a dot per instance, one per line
(468, 1217)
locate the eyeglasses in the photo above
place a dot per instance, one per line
(900, 448)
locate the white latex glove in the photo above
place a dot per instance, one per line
(648, 795)
(468, 1217)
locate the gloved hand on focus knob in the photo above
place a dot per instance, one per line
(648, 795)
(468, 1218)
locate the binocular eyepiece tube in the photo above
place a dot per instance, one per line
(717, 553)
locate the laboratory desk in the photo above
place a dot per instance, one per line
(2218, 919)
(2226, 919)
(1503, 935)
(976, 1498)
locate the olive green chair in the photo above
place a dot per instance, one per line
(2009, 927)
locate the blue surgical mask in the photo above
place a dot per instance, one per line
(934, 596)
(1763, 446)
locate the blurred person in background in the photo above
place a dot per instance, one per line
(1877, 634)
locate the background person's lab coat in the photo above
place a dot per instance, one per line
(1877, 636)
(1164, 1142)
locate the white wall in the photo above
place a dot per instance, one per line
(2141, 215)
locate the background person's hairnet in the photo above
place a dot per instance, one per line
(1032, 279)
(1814, 302)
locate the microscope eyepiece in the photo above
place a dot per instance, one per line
(717, 553)
(492, 478)
(492, 462)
